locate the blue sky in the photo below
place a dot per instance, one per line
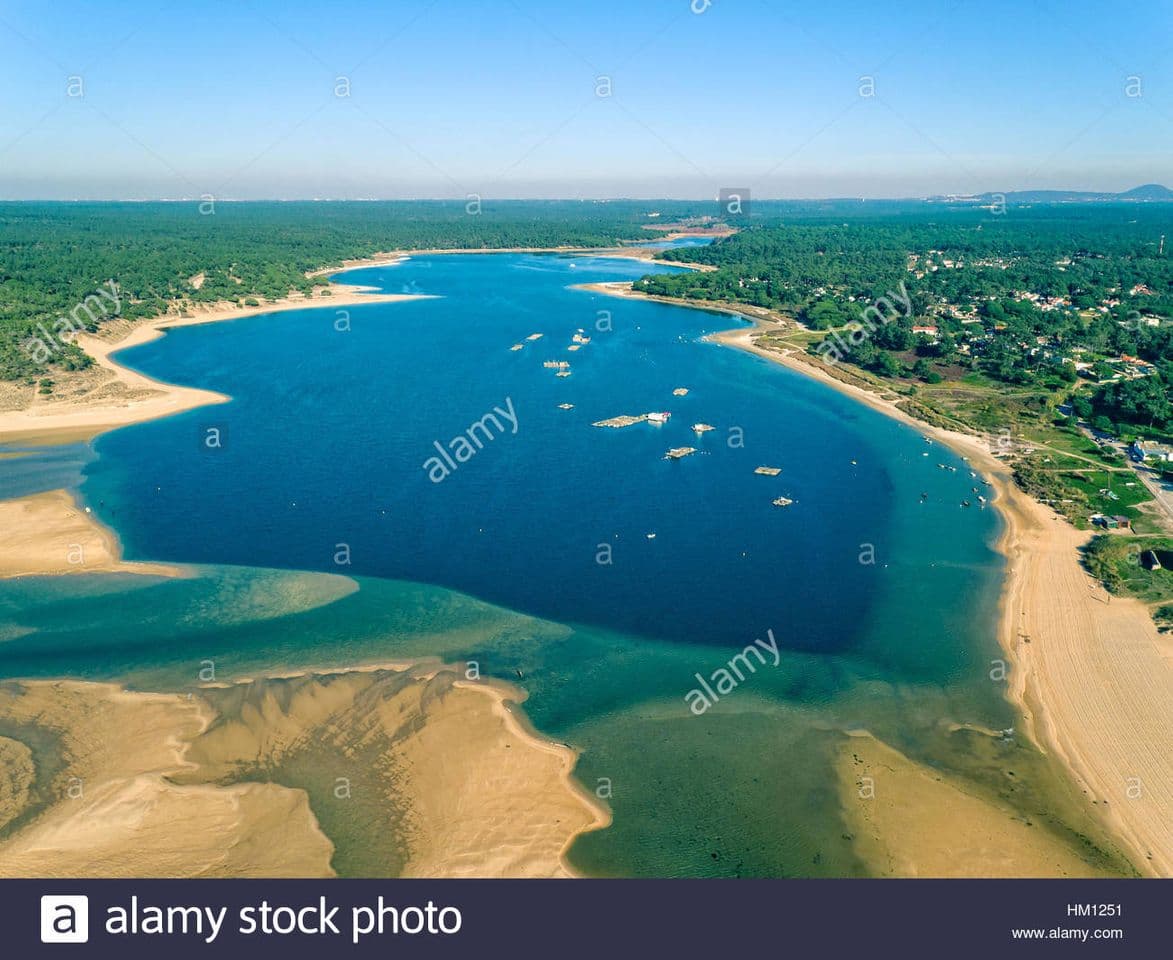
(453, 97)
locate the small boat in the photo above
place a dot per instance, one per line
(662, 417)
(965, 503)
(783, 502)
(651, 536)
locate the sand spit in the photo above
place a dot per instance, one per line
(110, 395)
(48, 533)
(373, 772)
(908, 820)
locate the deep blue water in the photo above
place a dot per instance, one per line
(325, 442)
(327, 436)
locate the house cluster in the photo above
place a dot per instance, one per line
(1044, 303)
(1105, 522)
(1146, 451)
(934, 260)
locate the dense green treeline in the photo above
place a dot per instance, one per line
(1040, 296)
(53, 256)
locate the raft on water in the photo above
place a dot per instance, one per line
(676, 453)
(768, 471)
(620, 421)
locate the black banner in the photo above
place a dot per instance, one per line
(596, 919)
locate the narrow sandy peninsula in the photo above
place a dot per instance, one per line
(48, 533)
(1091, 676)
(110, 395)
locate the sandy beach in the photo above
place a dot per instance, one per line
(251, 779)
(1090, 674)
(909, 820)
(463, 747)
(48, 533)
(110, 395)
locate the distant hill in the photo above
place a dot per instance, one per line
(1143, 194)
(1150, 191)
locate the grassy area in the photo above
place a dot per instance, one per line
(1053, 459)
(1115, 561)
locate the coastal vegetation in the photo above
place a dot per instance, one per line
(1136, 567)
(1049, 326)
(161, 255)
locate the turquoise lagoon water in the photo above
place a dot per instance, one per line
(325, 444)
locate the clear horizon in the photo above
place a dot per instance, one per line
(672, 99)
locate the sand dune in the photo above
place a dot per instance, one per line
(373, 772)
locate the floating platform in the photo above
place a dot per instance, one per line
(678, 453)
(621, 421)
(768, 471)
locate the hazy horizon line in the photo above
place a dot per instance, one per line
(572, 199)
